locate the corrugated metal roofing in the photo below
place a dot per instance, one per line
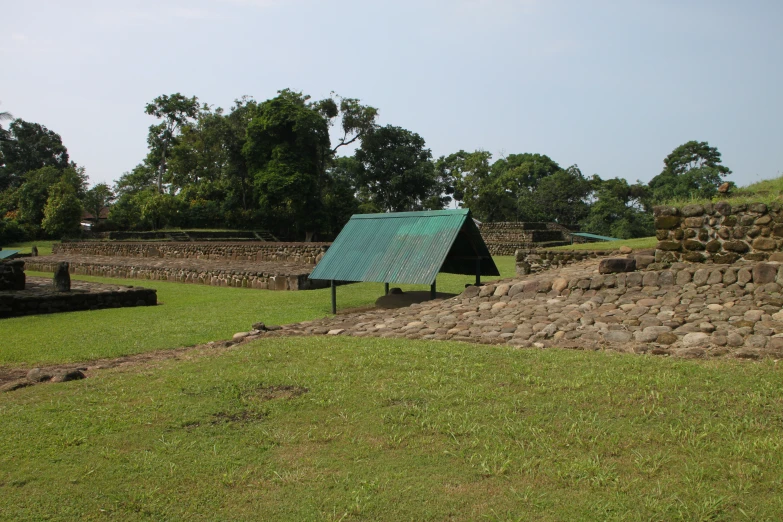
(594, 236)
(406, 247)
(7, 253)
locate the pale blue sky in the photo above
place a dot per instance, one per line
(611, 86)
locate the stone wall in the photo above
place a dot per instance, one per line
(720, 233)
(504, 238)
(12, 275)
(253, 251)
(42, 298)
(213, 277)
(532, 261)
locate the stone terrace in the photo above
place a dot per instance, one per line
(265, 275)
(40, 297)
(691, 311)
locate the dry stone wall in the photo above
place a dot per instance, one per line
(691, 311)
(504, 238)
(246, 251)
(217, 276)
(532, 261)
(719, 233)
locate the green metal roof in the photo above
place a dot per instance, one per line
(406, 247)
(7, 253)
(594, 236)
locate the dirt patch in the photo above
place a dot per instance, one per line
(10, 375)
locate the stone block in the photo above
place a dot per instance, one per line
(615, 265)
(736, 246)
(759, 208)
(723, 208)
(672, 246)
(667, 222)
(694, 222)
(764, 243)
(691, 244)
(692, 210)
(764, 273)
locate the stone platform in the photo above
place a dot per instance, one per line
(262, 275)
(690, 311)
(40, 297)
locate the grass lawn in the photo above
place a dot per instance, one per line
(188, 315)
(637, 244)
(369, 429)
(44, 246)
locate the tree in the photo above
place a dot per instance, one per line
(63, 210)
(31, 147)
(395, 171)
(285, 151)
(561, 197)
(618, 210)
(175, 111)
(34, 193)
(97, 198)
(692, 170)
(4, 134)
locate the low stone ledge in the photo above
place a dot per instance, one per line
(40, 297)
(237, 277)
(306, 253)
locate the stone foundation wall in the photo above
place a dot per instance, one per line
(254, 251)
(14, 304)
(532, 261)
(215, 277)
(12, 275)
(720, 233)
(504, 238)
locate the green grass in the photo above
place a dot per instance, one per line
(187, 315)
(44, 246)
(765, 191)
(398, 430)
(637, 244)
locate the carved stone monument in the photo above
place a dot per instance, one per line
(62, 278)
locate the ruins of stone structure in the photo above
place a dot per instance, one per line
(720, 233)
(12, 275)
(505, 238)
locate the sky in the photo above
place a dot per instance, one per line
(612, 86)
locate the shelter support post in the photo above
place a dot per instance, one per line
(334, 297)
(478, 271)
(433, 292)
(385, 288)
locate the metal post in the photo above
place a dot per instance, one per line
(478, 271)
(385, 288)
(334, 297)
(433, 293)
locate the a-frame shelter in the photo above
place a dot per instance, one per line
(406, 247)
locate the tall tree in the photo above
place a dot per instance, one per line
(692, 170)
(395, 170)
(561, 197)
(285, 151)
(175, 111)
(31, 147)
(63, 210)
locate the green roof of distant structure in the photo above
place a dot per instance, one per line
(594, 236)
(4, 254)
(406, 247)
